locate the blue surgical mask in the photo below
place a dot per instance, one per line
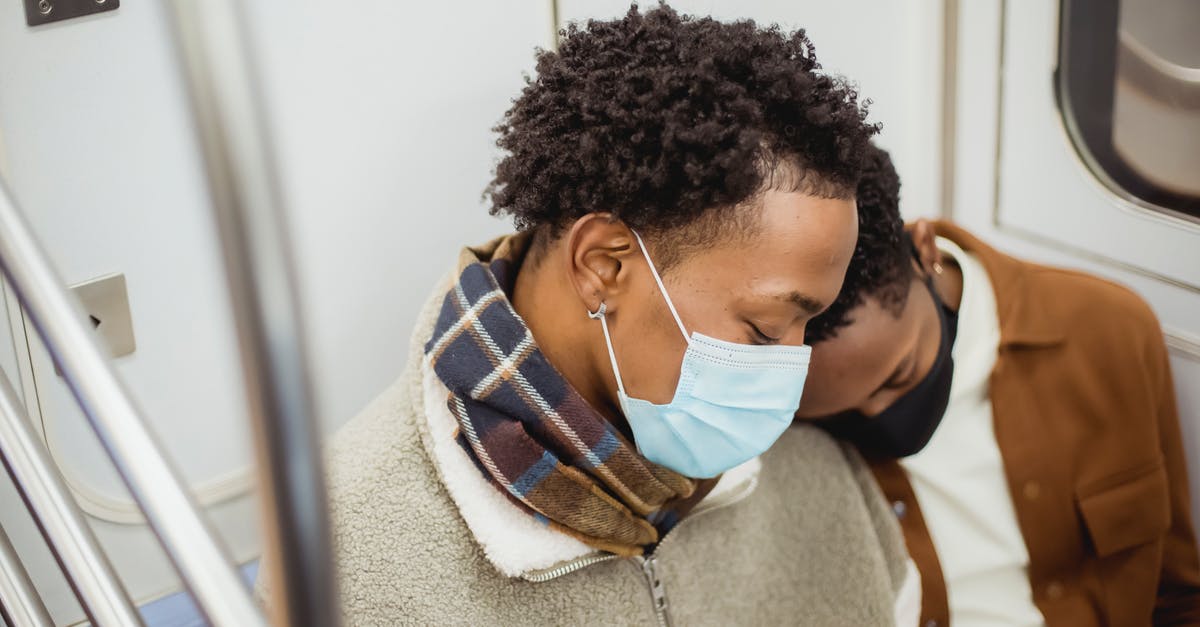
(732, 402)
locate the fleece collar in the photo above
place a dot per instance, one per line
(514, 542)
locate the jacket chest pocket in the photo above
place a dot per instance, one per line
(1127, 519)
(1128, 512)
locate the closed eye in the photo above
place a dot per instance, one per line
(761, 338)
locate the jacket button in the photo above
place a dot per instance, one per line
(1055, 590)
(1032, 489)
(899, 509)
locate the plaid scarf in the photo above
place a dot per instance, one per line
(530, 432)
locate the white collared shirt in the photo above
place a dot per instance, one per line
(959, 479)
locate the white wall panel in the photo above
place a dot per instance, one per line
(383, 116)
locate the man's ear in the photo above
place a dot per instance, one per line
(598, 247)
(924, 239)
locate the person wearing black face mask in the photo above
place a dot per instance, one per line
(905, 427)
(1021, 419)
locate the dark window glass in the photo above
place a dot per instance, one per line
(1128, 84)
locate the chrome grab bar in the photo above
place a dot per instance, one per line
(20, 604)
(223, 84)
(60, 521)
(151, 479)
(248, 209)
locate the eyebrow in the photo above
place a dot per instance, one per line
(809, 304)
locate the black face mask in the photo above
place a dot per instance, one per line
(906, 426)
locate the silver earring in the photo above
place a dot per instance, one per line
(599, 313)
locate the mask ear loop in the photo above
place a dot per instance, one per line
(662, 288)
(600, 314)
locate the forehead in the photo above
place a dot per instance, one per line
(873, 335)
(798, 243)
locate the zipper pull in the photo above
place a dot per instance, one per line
(657, 593)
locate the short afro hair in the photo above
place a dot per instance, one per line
(882, 265)
(670, 121)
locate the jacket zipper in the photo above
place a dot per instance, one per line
(649, 563)
(541, 576)
(658, 594)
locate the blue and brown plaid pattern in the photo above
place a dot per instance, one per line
(530, 432)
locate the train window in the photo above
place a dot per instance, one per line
(1128, 85)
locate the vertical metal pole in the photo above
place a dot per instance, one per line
(949, 106)
(152, 480)
(224, 84)
(20, 604)
(59, 519)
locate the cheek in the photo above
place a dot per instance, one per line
(834, 385)
(823, 396)
(705, 305)
(824, 392)
(649, 350)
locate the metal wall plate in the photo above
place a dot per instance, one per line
(105, 300)
(39, 12)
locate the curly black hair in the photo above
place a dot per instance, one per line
(882, 265)
(669, 121)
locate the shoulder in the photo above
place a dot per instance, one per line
(1088, 310)
(1096, 312)
(388, 505)
(378, 471)
(387, 432)
(837, 491)
(1079, 292)
(836, 482)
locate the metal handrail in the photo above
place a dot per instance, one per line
(248, 209)
(154, 483)
(20, 604)
(224, 83)
(59, 519)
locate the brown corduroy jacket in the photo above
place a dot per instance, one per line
(1085, 418)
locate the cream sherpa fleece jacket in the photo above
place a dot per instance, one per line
(799, 536)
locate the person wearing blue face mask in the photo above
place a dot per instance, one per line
(1020, 418)
(731, 403)
(579, 393)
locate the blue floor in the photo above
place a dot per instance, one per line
(178, 610)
